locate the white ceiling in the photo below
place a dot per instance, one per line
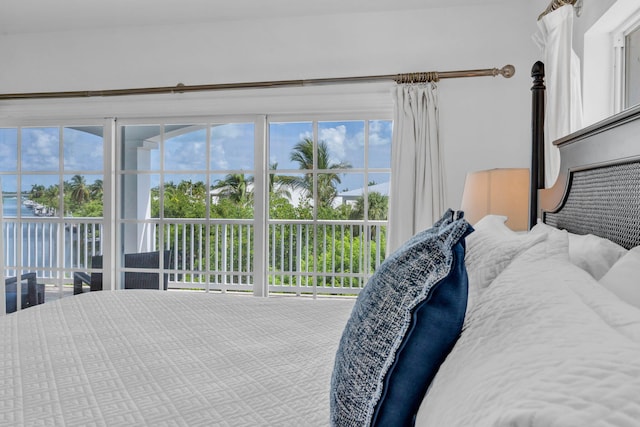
(32, 16)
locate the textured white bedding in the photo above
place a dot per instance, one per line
(545, 345)
(168, 358)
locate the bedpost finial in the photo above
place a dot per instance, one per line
(538, 69)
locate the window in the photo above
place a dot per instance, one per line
(610, 64)
(52, 193)
(328, 194)
(632, 68)
(188, 189)
(253, 203)
(193, 189)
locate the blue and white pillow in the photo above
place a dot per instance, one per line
(403, 325)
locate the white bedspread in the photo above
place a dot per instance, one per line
(545, 346)
(170, 358)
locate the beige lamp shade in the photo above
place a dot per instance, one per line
(498, 192)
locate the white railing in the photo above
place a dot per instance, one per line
(335, 257)
(43, 242)
(209, 255)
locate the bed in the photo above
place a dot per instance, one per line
(554, 339)
(141, 357)
(550, 335)
(538, 339)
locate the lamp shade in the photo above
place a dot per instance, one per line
(498, 192)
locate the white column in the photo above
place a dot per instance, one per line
(260, 284)
(109, 234)
(143, 209)
(137, 156)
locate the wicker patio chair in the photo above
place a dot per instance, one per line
(94, 280)
(132, 279)
(31, 294)
(139, 280)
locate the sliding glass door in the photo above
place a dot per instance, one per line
(251, 203)
(53, 206)
(187, 190)
(328, 194)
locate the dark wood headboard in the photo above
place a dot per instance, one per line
(598, 188)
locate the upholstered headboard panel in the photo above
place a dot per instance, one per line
(598, 189)
(603, 201)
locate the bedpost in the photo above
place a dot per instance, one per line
(537, 139)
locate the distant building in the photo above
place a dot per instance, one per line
(350, 197)
(297, 194)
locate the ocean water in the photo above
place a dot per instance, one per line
(39, 240)
(10, 208)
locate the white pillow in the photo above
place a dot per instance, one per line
(555, 246)
(490, 249)
(623, 278)
(533, 353)
(591, 253)
(594, 254)
(494, 223)
(541, 227)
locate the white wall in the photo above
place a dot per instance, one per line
(591, 12)
(485, 122)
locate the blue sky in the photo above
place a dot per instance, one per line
(345, 140)
(41, 153)
(185, 149)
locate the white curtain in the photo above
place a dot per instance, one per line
(417, 180)
(563, 113)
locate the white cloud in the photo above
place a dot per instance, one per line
(219, 157)
(7, 157)
(378, 139)
(230, 131)
(83, 156)
(379, 132)
(356, 142)
(306, 135)
(40, 151)
(335, 139)
(186, 155)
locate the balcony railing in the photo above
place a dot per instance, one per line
(325, 257)
(333, 257)
(43, 242)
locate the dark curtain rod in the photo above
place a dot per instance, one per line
(506, 71)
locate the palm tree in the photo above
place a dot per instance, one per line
(277, 184)
(198, 190)
(378, 207)
(303, 155)
(96, 189)
(37, 191)
(194, 190)
(79, 189)
(50, 196)
(235, 186)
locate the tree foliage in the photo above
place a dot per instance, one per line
(303, 155)
(295, 247)
(79, 198)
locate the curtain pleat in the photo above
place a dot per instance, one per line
(563, 112)
(417, 172)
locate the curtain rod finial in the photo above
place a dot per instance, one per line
(508, 71)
